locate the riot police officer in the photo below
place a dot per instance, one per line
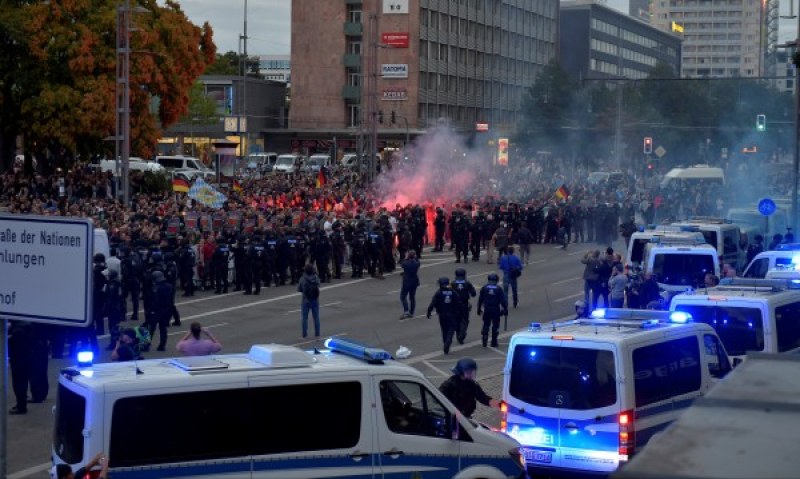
(492, 304)
(254, 266)
(465, 290)
(238, 250)
(131, 267)
(338, 249)
(171, 273)
(271, 259)
(439, 225)
(219, 265)
(358, 252)
(375, 251)
(446, 303)
(186, 261)
(461, 237)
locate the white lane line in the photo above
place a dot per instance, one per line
(175, 333)
(294, 295)
(441, 373)
(567, 298)
(393, 291)
(566, 280)
(30, 471)
(538, 261)
(213, 296)
(576, 253)
(321, 306)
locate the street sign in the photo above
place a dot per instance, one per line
(46, 265)
(660, 151)
(766, 206)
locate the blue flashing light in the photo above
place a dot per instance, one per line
(796, 259)
(749, 324)
(357, 350)
(535, 327)
(599, 313)
(532, 354)
(680, 317)
(85, 358)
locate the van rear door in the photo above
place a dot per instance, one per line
(571, 404)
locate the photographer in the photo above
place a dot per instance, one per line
(64, 471)
(194, 344)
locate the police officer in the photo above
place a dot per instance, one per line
(439, 225)
(219, 264)
(465, 291)
(475, 237)
(131, 267)
(338, 249)
(99, 291)
(271, 259)
(115, 307)
(171, 273)
(446, 303)
(461, 237)
(463, 391)
(186, 261)
(238, 250)
(375, 249)
(404, 241)
(163, 304)
(358, 251)
(322, 256)
(419, 227)
(255, 264)
(284, 256)
(492, 304)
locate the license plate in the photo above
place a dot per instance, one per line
(538, 456)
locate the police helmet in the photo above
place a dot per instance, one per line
(493, 277)
(99, 258)
(580, 307)
(443, 281)
(156, 256)
(158, 277)
(465, 364)
(461, 272)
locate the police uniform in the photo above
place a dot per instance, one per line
(492, 304)
(446, 303)
(465, 291)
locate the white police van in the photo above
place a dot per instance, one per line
(723, 235)
(634, 255)
(749, 315)
(585, 395)
(680, 261)
(274, 412)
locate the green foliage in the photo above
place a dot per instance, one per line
(202, 110)
(229, 63)
(155, 182)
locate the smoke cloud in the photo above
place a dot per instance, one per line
(440, 169)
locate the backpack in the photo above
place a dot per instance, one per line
(143, 337)
(311, 289)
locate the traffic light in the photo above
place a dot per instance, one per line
(394, 117)
(380, 117)
(761, 122)
(648, 145)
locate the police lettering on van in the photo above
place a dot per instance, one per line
(585, 395)
(276, 411)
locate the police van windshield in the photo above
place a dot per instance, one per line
(68, 432)
(740, 329)
(637, 249)
(566, 378)
(285, 160)
(682, 269)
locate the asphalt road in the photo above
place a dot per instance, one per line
(365, 309)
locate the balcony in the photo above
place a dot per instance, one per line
(350, 92)
(352, 29)
(351, 60)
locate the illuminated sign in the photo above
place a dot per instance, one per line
(502, 151)
(481, 127)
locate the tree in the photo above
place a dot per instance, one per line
(63, 72)
(230, 63)
(546, 109)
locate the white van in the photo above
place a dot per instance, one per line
(766, 261)
(697, 174)
(680, 263)
(186, 166)
(262, 162)
(635, 253)
(585, 395)
(315, 162)
(101, 244)
(274, 412)
(748, 315)
(753, 223)
(723, 235)
(289, 163)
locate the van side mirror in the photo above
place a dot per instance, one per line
(737, 361)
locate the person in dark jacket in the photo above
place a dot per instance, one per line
(446, 303)
(492, 304)
(463, 391)
(163, 305)
(408, 291)
(309, 287)
(20, 353)
(466, 291)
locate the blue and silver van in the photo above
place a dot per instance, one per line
(585, 395)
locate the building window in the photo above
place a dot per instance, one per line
(354, 48)
(353, 114)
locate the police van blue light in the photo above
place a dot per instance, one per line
(586, 394)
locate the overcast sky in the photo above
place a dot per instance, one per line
(268, 22)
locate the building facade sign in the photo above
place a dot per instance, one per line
(395, 6)
(395, 93)
(394, 70)
(395, 39)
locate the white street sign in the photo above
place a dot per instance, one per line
(660, 151)
(46, 269)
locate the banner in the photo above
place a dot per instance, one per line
(191, 220)
(173, 227)
(206, 194)
(395, 39)
(205, 223)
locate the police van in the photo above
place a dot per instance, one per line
(767, 261)
(749, 315)
(723, 235)
(274, 412)
(680, 261)
(635, 252)
(585, 395)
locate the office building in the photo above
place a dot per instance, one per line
(466, 61)
(599, 42)
(275, 67)
(639, 9)
(722, 38)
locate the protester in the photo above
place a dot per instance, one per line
(309, 287)
(198, 341)
(410, 283)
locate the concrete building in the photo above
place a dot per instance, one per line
(467, 61)
(599, 42)
(722, 38)
(639, 9)
(266, 110)
(275, 67)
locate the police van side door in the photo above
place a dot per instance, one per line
(414, 430)
(313, 426)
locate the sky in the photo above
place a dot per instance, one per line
(269, 23)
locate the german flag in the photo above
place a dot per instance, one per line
(562, 193)
(237, 187)
(321, 178)
(180, 185)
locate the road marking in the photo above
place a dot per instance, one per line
(566, 280)
(174, 333)
(321, 306)
(213, 296)
(567, 298)
(393, 291)
(293, 295)
(538, 261)
(441, 373)
(30, 471)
